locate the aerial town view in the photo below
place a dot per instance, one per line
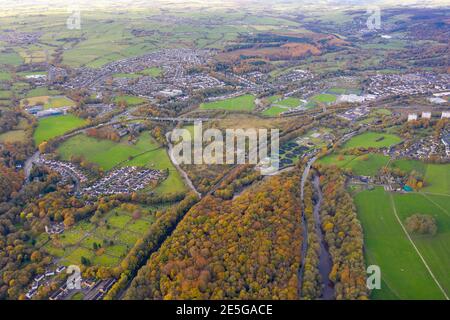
(224, 150)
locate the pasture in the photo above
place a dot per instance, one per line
(10, 57)
(105, 153)
(403, 273)
(437, 179)
(289, 102)
(372, 140)
(130, 100)
(47, 102)
(365, 165)
(324, 98)
(274, 111)
(241, 103)
(433, 248)
(55, 126)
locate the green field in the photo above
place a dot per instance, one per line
(5, 76)
(361, 165)
(130, 100)
(289, 102)
(407, 165)
(372, 140)
(11, 58)
(337, 90)
(41, 91)
(55, 126)
(273, 111)
(433, 248)
(241, 103)
(324, 98)
(403, 273)
(5, 94)
(58, 102)
(107, 154)
(437, 179)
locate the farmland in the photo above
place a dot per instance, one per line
(102, 242)
(365, 165)
(130, 100)
(324, 98)
(372, 140)
(388, 247)
(105, 153)
(360, 183)
(48, 102)
(52, 127)
(437, 179)
(274, 111)
(241, 103)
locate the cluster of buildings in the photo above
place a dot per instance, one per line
(427, 115)
(19, 38)
(408, 84)
(353, 98)
(99, 109)
(296, 75)
(91, 290)
(175, 64)
(355, 113)
(55, 228)
(43, 280)
(422, 149)
(123, 129)
(66, 169)
(124, 180)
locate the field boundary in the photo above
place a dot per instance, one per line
(436, 204)
(417, 250)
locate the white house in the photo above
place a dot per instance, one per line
(426, 115)
(445, 114)
(412, 117)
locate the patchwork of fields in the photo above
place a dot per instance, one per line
(105, 242)
(405, 275)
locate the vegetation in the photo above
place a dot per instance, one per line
(421, 224)
(51, 127)
(387, 246)
(219, 256)
(344, 236)
(372, 140)
(241, 103)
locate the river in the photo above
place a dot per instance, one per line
(325, 262)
